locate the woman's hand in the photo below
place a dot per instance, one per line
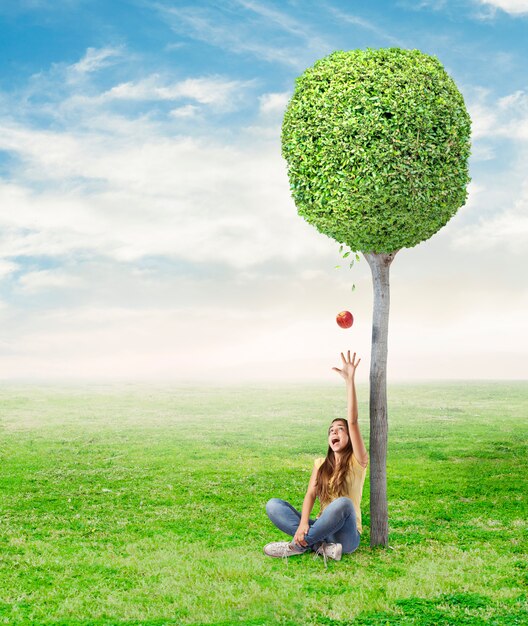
(349, 367)
(298, 538)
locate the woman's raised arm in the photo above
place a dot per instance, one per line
(348, 372)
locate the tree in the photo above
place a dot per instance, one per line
(377, 146)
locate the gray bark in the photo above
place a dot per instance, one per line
(379, 518)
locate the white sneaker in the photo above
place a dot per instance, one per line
(283, 549)
(329, 551)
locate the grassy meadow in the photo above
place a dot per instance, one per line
(145, 505)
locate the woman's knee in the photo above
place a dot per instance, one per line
(344, 506)
(273, 506)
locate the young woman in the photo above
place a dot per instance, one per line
(337, 481)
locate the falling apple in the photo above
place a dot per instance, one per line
(345, 319)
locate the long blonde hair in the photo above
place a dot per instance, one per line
(327, 471)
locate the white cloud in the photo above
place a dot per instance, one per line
(366, 25)
(274, 103)
(186, 111)
(44, 280)
(507, 117)
(416, 5)
(216, 27)
(514, 7)
(71, 95)
(7, 268)
(140, 196)
(215, 90)
(95, 59)
(484, 121)
(507, 228)
(517, 100)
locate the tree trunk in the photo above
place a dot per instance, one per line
(379, 518)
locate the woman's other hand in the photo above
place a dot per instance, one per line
(298, 538)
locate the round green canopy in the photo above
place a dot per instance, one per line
(377, 144)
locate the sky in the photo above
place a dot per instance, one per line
(147, 232)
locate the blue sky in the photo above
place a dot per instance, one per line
(147, 231)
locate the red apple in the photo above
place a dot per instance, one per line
(345, 319)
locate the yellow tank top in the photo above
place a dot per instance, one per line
(353, 486)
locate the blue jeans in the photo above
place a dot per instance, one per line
(336, 524)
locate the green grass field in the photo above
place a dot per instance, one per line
(136, 505)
